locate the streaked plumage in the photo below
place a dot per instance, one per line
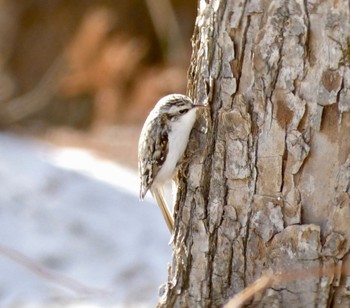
(163, 140)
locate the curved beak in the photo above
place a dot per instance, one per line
(199, 106)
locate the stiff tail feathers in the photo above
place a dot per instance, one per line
(168, 217)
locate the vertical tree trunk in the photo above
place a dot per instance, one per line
(267, 187)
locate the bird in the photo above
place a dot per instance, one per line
(163, 141)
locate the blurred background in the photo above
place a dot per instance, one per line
(77, 80)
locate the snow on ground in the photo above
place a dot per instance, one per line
(79, 217)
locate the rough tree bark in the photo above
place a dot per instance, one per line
(267, 187)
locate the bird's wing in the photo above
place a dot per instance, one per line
(153, 150)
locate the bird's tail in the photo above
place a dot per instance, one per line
(158, 195)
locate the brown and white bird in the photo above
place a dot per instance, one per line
(163, 140)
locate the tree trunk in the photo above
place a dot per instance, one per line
(267, 187)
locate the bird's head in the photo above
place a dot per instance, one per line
(175, 106)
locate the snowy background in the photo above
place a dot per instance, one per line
(73, 233)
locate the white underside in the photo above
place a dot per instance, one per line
(178, 139)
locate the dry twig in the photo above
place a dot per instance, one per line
(45, 273)
(274, 279)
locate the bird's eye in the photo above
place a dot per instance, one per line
(182, 111)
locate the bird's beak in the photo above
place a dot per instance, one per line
(199, 106)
